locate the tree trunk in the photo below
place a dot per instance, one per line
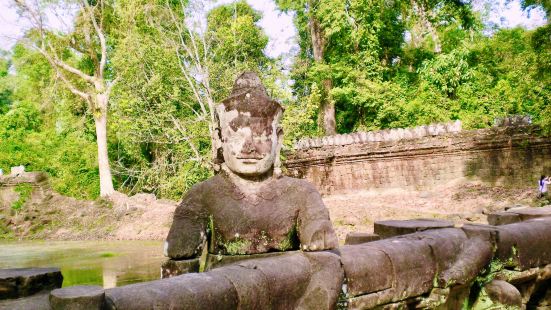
(327, 107)
(105, 179)
(427, 24)
(328, 110)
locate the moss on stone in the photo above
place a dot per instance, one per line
(290, 241)
(237, 247)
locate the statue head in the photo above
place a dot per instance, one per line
(249, 131)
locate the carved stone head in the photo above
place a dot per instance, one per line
(249, 132)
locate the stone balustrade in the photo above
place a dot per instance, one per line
(435, 267)
(386, 135)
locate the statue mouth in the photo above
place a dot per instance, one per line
(250, 159)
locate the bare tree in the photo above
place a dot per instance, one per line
(184, 32)
(87, 40)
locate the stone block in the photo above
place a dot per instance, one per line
(446, 245)
(475, 255)
(503, 293)
(391, 228)
(17, 170)
(21, 282)
(532, 213)
(502, 218)
(413, 263)
(188, 291)
(171, 267)
(525, 244)
(269, 283)
(327, 277)
(38, 301)
(82, 297)
(367, 270)
(357, 238)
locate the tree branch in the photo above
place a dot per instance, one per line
(101, 36)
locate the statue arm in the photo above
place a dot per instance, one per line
(315, 229)
(188, 231)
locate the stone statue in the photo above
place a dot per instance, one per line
(248, 207)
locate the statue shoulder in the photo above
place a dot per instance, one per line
(300, 186)
(299, 183)
(197, 193)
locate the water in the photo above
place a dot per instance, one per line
(104, 263)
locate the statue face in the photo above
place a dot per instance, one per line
(249, 144)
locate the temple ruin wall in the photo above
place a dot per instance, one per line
(422, 158)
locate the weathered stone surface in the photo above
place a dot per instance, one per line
(503, 218)
(367, 270)
(391, 228)
(446, 245)
(21, 282)
(269, 283)
(189, 291)
(25, 177)
(414, 267)
(37, 301)
(525, 244)
(82, 297)
(532, 213)
(515, 215)
(217, 261)
(486, 232)
(325, 283)
(357, 238)
(512, 156)
(475, 255)
(259, 223)
(171, 268)
(371, 301)
(503, 293)
(249, 208)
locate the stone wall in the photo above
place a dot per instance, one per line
(515, 156)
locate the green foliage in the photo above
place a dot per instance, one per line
(379, 80)
(42, 137)
(24, 190)
(388, 63)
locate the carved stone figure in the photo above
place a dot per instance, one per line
(248, 207)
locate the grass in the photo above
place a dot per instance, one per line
(107, 254)
(24, 190)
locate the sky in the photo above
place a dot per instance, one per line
(279, 26)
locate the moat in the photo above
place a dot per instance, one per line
(104, 263)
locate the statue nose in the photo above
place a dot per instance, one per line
(248, 146)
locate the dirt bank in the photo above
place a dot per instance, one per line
(47, 215)
(458, 202)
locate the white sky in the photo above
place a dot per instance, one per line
(279, 26)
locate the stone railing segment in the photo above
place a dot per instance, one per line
(435, 267)
(380, 135)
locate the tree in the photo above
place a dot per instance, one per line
(80, 60)
(175, 60)
(344, 47)
(313, 41)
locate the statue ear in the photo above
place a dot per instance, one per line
(217, 154)
(217, 138)
(277, 161)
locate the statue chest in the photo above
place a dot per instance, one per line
(252, 225)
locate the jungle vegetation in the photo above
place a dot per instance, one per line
(125, 97)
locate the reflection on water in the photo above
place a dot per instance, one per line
(106, 263)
